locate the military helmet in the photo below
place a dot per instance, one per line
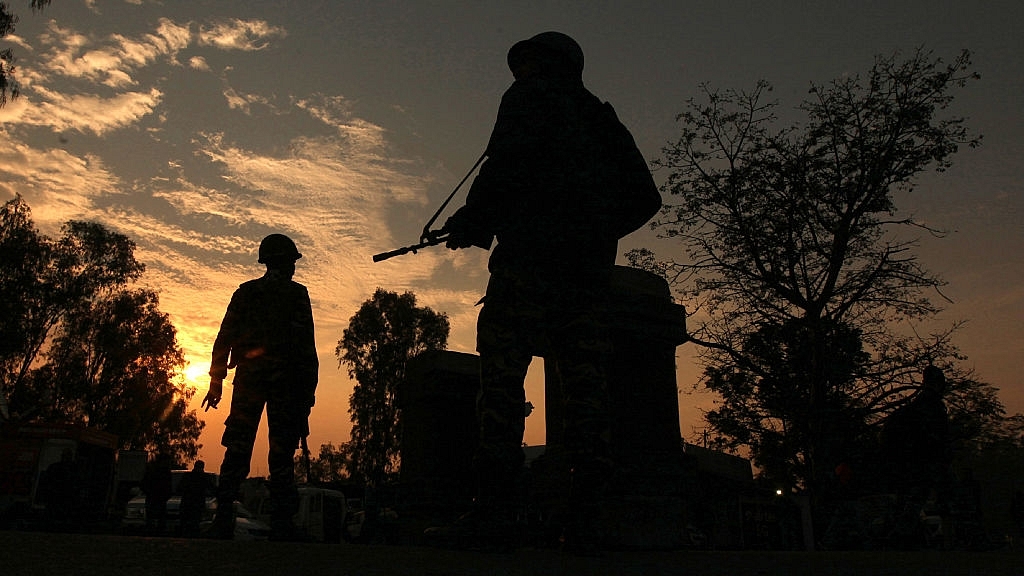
(278, 247)
(557, 49)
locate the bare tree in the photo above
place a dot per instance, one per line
(799, 270)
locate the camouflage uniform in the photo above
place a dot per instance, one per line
(268, 333)
(548, 192)
(560, 319)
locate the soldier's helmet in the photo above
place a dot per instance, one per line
(555, 48)
(277, 247)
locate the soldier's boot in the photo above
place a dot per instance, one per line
(282, 517)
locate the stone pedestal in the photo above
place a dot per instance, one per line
(439, 434)
(647, 508)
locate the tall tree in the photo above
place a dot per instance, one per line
(382, 336)
(45, 280)
(798, 267)
(116, 363)
(77, 344)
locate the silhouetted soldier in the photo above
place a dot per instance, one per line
(916, 442)
(194, 487)
(563, 181)
(267, 333)
(156, 483)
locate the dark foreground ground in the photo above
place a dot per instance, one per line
(43, 554)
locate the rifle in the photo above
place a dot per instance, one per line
(433, 239)
(306, 461)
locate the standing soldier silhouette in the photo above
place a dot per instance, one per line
(562, 183)
(267, 336)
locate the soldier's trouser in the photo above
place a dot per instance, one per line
(285, 420)
(560, 318)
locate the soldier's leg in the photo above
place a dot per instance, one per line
(505, 357)
(239, 436)
(583, 351)
(283, 420)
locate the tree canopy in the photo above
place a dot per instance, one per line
(387, 331)
(78, 344)
(799, 271)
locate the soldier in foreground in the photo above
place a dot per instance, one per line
(267, 336)
(562, 183)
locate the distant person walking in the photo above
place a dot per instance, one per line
(562, 183)
(267, 335)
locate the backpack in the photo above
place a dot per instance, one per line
(624, 196)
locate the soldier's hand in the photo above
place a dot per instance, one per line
(214, 395)
(457, 227)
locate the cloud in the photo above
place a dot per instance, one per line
(81, 112)
(110, 61)
(235, 34)
(57, 185)
(103, 93)
(242, 102)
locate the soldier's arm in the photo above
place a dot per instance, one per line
(226, 338)
(305, 336)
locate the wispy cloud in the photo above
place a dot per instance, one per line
(93, 113)
(107, 61)
(61, 185)
(235, 34)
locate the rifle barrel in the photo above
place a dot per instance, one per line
(413, 248)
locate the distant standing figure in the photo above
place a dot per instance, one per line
(267, 335)
(156, 483)
(916, 441)
(562, 183)
(194, 487)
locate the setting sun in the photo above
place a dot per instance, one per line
(196, 374)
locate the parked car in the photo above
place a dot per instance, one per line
(322, 513)
(247, 527)
(134, 519)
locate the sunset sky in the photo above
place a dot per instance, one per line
(196, 128)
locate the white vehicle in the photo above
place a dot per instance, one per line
(321, 514)
(247, 526)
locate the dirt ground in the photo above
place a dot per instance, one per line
(48, 554)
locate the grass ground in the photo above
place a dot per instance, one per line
(49, 554)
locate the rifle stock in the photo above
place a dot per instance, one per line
(431, 241)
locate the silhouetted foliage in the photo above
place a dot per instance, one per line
(382, 336)
(795, 267)
(332, 464)
(78, 345)
(8, 21)
(45, 280)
